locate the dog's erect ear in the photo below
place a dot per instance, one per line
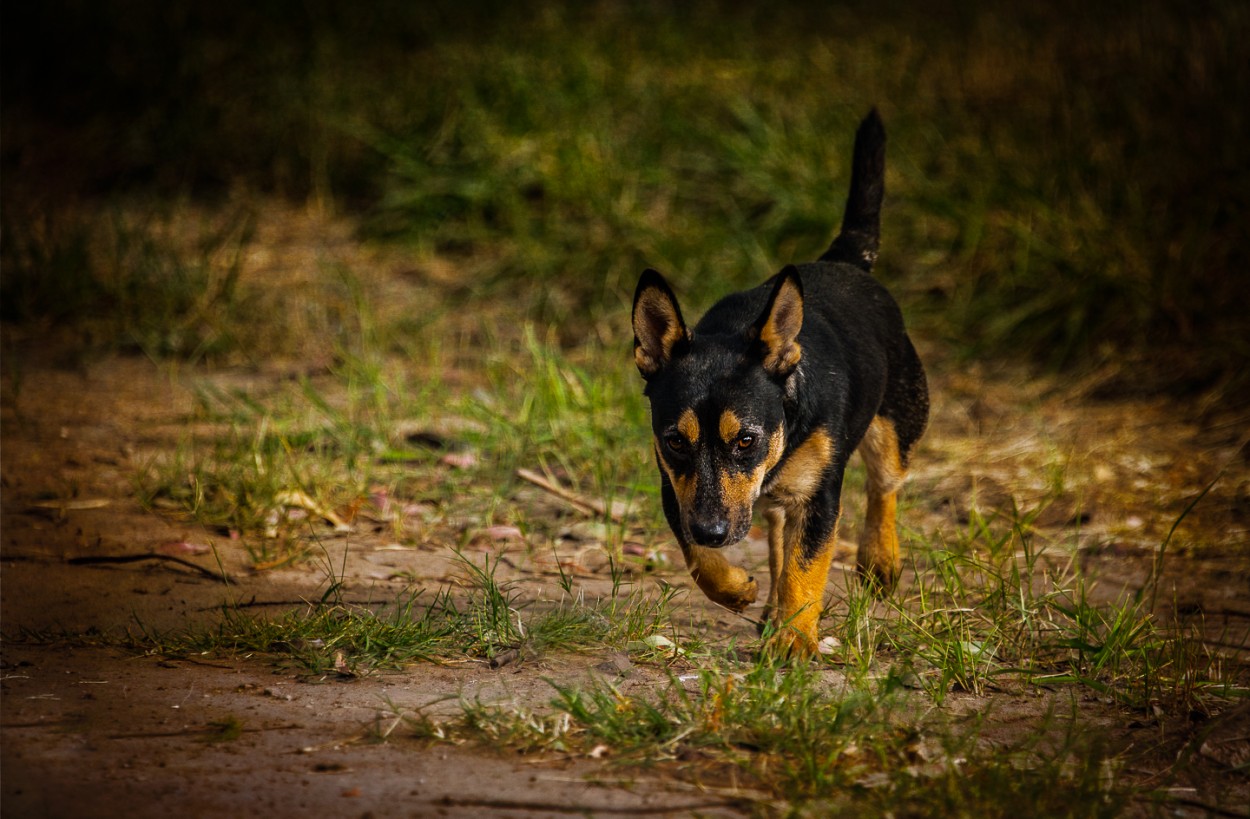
(778, 328)
(658, 326)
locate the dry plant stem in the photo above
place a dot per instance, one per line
(104, 559)
(588, 506)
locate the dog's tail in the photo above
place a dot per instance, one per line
(861, 223)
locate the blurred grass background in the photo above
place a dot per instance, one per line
(1068, 184)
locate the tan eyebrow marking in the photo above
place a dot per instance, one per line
(688, 425)
(730, 426)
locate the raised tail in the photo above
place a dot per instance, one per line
(861, 223)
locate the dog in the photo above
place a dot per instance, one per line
(766, 398)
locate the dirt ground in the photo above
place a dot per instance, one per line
(97, 731)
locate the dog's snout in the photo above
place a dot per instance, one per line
(710, 532)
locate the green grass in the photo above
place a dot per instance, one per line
(483, 619)
(820, 737)
(841, 737)
(339, 439)
(1064, 182)
(124, 281)
(794, 744)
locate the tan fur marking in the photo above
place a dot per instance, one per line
(683, 485)
(739, 491)
(742, 489)
(719, 579)
(775, 516)
(882, 459)
(688, 425)
(655, 349)
(802, 473)
(878, 556)
(781, 329)
(800, 591)
(730, 426)
(776, 448)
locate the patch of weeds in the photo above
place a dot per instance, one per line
(620, 621)
(275, 471)
(484, 620)
(503, 622)
(330, 638)
(515, 728)
(992, 610)
(1078, 779)
(555, 155)
(582, 416)
(129, 283)
(494, 617)
(803, 738)
(336, 439)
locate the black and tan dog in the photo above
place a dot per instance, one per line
(766, 398)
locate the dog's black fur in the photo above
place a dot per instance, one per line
(768, 396)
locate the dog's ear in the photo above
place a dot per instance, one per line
(778, 328)
(658, 326)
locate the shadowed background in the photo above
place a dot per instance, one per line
(1068, 182)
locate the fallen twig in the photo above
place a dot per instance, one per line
(554, 807)
(205, 731)
(588, 506)
(104, 559)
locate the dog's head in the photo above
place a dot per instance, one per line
(717, 403)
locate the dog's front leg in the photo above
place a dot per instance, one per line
(804, 551)
(719, 579)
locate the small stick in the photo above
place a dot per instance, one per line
(97, 559)
(583, 504)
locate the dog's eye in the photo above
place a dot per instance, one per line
(675, 442)
(745, 442)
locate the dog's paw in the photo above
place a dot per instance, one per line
(789, 638)
(720, 580)
(736, 599)
(788, 645)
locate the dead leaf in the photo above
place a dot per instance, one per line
(829, 645)
(182, 547)
(380, 499)
(503, 532)
(299, 499)
(504, 658)
(459, 460)
(73, 505)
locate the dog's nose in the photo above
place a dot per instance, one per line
(710, 532)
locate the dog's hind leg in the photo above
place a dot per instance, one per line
(878, 558)
(886, 449)
(719, 579)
